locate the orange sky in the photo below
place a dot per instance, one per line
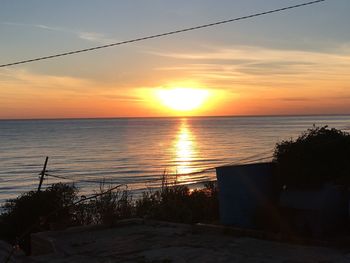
(247, 69)
(298, 83)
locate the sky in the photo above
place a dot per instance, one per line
(294, 62)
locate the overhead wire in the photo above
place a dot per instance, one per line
(164, 34)
(262, 156)
(79, 180)
(253, 158)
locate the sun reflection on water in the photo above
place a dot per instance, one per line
(185, 152)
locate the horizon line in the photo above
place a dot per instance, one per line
(177, 117)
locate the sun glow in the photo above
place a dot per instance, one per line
(183, 99)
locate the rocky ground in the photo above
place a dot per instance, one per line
(139, 241)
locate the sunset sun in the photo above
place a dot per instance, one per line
(183, 99)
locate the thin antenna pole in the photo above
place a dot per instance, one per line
(42, 174)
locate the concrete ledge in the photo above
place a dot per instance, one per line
(7, 254)
(270, 236)
(139, 240)
(43, 243)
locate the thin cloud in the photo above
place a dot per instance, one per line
(14, 78)
(39, 26)
(96, 37)
(58, 29)
(247, 54)
(124, 98)
(296, 99)
(246, 62)
(84, 35)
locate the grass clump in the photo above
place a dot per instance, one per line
(106, 208)
(177, 203)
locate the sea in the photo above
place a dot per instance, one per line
(137, 152)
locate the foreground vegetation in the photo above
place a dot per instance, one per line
(318, 156)
(60, 206)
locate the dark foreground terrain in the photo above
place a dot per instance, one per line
(154, 241)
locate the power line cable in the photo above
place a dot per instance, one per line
(262, 156)
(163, 34)
(75, 180)
(245, 160)
(252, 158)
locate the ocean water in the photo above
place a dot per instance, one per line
(138, 151)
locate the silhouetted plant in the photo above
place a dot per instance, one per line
(318, 156)
(37, 211)
(106, 208)
(204, 203)
(112, 206)
(177, 203)
(58, 206)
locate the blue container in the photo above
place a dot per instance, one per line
(245, 194)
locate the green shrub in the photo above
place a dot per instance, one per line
(37, 211)
(320, 155)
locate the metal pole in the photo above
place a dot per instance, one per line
(42, 174)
